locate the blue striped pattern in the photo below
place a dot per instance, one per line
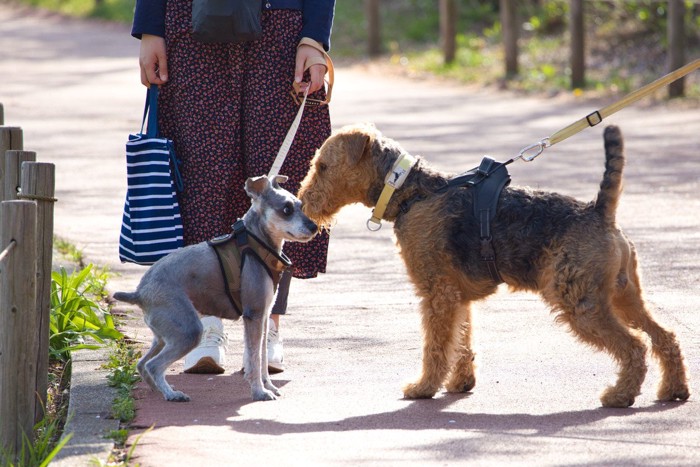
(151, 226)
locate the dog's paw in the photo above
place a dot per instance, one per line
(177, 396)
(612, 398)
(667, 392)
(265, 395)
(271, 387)
(418, 391)
(457, 385)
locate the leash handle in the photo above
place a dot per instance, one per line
(287, 143)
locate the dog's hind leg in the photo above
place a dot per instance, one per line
(156, 347)
(593, 322)
(462, 377)
(439, 309)
(180, 332)
(630, 307)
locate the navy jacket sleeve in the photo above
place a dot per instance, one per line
(318, 21)
(149, 18)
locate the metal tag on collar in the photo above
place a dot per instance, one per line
(400, 171)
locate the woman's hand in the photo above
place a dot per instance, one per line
(313, 59)
(153, 60)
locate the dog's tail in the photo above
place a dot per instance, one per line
(611, 185)
(128, 297)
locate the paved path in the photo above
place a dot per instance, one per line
(353, 335)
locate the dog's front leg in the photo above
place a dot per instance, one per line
(253, 322)
(438, 316)
(264, 368)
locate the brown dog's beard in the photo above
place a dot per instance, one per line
(314, 205)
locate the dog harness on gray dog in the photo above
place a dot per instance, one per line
(233, 249)
(488, 180)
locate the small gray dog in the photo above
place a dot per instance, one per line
(191, 280)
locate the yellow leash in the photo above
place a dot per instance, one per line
(529, 153)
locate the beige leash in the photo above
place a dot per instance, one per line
(529, 153)
(289, 138)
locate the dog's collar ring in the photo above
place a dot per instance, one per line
(374, 225)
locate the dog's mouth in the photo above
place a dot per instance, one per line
(300, 237)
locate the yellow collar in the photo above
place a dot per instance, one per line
(393, 181)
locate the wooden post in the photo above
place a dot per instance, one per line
(10, 138)
(578, 45)
(509, 25)
(374, 29)
(448, 29)
(38, 184)
(13, 166)
(17, 323)
(676, 45)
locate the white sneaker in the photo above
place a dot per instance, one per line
(209, 355)
(275, 353)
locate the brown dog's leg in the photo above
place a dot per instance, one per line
(462, 378)
(595, 324)
(438, 308)
(630, 307)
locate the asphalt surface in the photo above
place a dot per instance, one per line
(352, 337)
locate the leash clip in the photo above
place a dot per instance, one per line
(529, 153)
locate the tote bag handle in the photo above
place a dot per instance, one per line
(150, 113)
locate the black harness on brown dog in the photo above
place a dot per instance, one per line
(487, 180)
(232, 250)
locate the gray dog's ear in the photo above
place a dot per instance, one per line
(255, 186)
(279, 179)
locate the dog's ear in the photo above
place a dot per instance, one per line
(277, 179)
(255, 186)
(358, 144)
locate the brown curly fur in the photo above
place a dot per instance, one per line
(572, 253)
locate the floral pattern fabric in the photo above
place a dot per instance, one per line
(228, 108)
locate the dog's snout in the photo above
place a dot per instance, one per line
(311, 226)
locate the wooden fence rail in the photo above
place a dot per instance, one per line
(26, 245)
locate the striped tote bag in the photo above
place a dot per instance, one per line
(151, 224)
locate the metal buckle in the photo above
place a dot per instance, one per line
(594, 118)
(310, 102)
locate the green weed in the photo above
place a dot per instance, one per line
(78, 321)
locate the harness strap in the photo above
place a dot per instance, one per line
(488, 181)
(233, 249)
(492, 178)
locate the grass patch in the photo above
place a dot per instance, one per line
(78, 319)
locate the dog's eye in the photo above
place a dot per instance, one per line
(288, 209)
(322, 167)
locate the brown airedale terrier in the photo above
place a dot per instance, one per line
(572, 253)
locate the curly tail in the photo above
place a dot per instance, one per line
(611, 185)
(128, 297)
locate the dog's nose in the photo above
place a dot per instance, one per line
(312, 226)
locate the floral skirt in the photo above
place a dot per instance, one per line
(228, 107)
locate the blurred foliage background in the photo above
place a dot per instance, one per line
(626, 40)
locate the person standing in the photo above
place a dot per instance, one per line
(227, 107)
